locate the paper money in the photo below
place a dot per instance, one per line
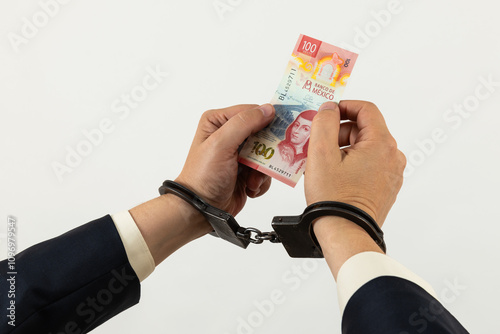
(317, 72)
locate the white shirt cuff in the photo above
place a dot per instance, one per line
(363, 267)
(136, 248)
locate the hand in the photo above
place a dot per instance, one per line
(367, 173)
(211, 168)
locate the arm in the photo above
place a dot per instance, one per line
(357, 162)
(211, 171)
(71, 283)
(367, 173)
(79, 280)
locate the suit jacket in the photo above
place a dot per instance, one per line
(70, 284)
(393, 305)
(79, 280)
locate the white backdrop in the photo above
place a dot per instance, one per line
(432, 67)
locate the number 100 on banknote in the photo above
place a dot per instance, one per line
(317, 72)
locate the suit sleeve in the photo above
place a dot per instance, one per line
(72, 283)
(378, 296)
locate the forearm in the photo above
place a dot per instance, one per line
(60, 282)
(341, 239)
(167, 223)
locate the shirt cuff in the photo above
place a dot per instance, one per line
(137, 250)
(363, 267)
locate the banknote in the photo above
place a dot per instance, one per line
(317, 72)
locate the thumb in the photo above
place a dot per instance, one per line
(325, 131)
(242, 125)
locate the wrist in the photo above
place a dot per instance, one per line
(340, 239)
(186, 216)
(343, 199)
(336, 232)
(168, 223)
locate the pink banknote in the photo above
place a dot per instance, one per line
(317, 72)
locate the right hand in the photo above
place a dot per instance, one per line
(368, 173)
(211, 168)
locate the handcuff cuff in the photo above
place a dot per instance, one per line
(294, 232)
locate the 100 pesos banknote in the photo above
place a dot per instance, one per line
(317, 72)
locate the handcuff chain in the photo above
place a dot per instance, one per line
(259, 237)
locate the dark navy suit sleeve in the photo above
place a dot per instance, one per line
(394, 305)
(70, 284)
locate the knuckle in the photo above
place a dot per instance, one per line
(207, 115)
(402, 160)
(325, 116)
(243, 117)
(369, 105)
(244, 120)
(391, 143)
(390, 146)
(392, 154)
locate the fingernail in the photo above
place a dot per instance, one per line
(266, 109)
(328, 106)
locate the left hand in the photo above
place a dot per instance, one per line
(211, 168)
(367, 172)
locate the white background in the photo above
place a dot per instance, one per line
(415, 65)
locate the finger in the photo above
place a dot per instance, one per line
(255, 182)
(213, 119)
(325, 130)
(240, 125)
(368, 117)
(263, 188)
(348, 133)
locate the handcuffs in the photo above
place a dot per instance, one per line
(294, 232)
